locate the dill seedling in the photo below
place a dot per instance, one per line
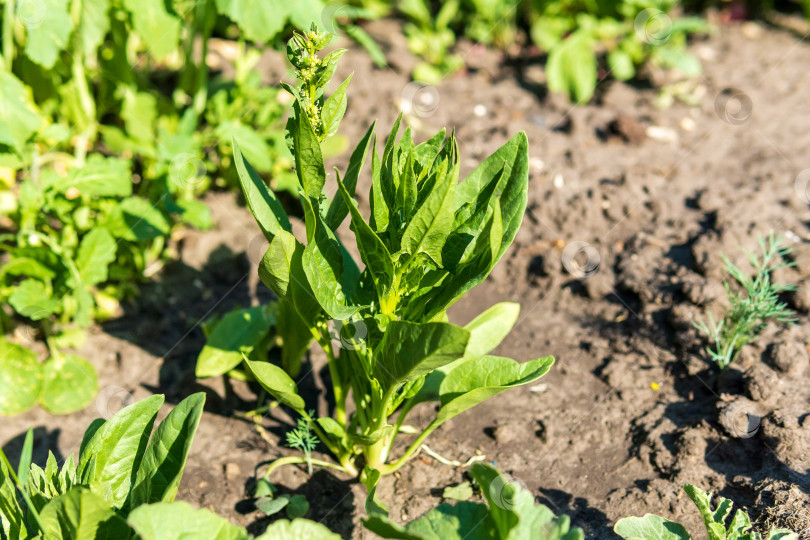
(751, 307)
(302, 438)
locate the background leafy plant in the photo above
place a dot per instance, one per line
(119, 469)
(111, 126)
(716, 520)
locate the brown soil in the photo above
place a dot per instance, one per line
(658, 194)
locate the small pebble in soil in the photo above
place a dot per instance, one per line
(479, 110)
(232, 470)
(506, 433)
(559, 181)
(662, 134)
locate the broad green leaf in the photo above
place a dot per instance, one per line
(295, 335)
(410, 350)
(163, 463)
(334, 107)
(139, 113)
(12, 519)
(298, 507)
(380, 214)
(338, 209)
(240, 331)
(277, 383)
(89, 432)
(109, 461)
(100, 176)
(713, 519)
(650, 527)
(571, 67)
(269, 506)
(195, 213)
(281, 269)
(740, 524)
(308, 158)
(264, 205)
(181, 521)
(142, 219)
(460, 492)
(19, 118)
(323, 261)
(468, 275)
(297, 529)
(25, 457)
(20, 378)
(277, 262)
(28, 267)
(462, 521)
(427, 231)
(48, 26)
(70, 383)
(159, 29)
(94, 25)
(511, 160)
(81, 515)
(621, 65)
(259, 20)
(513, 511)
(490, 328)
(252, 144)
(373, 252)
(31, 299)
(478, 379)
(96, 252)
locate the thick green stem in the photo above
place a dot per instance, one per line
(86, 100)
(409, 453)
(337, 381)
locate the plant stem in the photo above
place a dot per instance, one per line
(337, 382)
(294, 460)
(85, 97)
(393, 467)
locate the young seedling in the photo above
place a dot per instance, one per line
(718, 526)
(510, 513)
(753, 306)
(303, 439)
(429, 240)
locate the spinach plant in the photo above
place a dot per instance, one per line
(753, 306)
(119, 471)
(510, 513)
(428, 241)
(716, 520)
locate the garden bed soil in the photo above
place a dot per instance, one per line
(631, 410)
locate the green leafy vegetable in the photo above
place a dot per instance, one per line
(384, 330)
(716, 520)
